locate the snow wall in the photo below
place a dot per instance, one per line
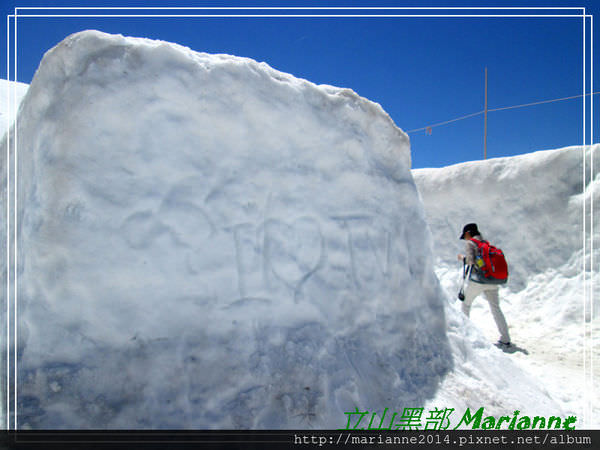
(531, 206)
(205, 242)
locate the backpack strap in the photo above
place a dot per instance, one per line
(478, 242)
(484, 250)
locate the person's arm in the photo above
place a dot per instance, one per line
(471, 253)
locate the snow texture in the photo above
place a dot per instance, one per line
(532, 207)
(11, 94)
(206, 242)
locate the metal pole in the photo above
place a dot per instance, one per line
(485, 120)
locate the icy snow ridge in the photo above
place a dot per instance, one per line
(206, 242)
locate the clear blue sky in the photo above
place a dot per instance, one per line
(421, 70)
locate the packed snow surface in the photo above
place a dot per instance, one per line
(206, 242)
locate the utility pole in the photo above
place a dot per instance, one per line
(485, 120)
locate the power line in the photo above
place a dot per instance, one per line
(429, 127)
(543, 101)
(446, 122)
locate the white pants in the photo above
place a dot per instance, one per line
(490, 291)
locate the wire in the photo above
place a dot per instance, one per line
(446, 122)
(428, 127)
(543, 101)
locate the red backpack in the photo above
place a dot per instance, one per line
(490, 263)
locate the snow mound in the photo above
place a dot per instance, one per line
(205, 242)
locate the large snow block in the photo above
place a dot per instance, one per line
(205, 242)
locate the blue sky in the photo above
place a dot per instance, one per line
(421, 70)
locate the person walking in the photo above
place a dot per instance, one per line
(477, 283)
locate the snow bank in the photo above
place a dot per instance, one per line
(532, 207)
(206, 242)
(526, 204)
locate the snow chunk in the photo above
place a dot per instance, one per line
(205, 242)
